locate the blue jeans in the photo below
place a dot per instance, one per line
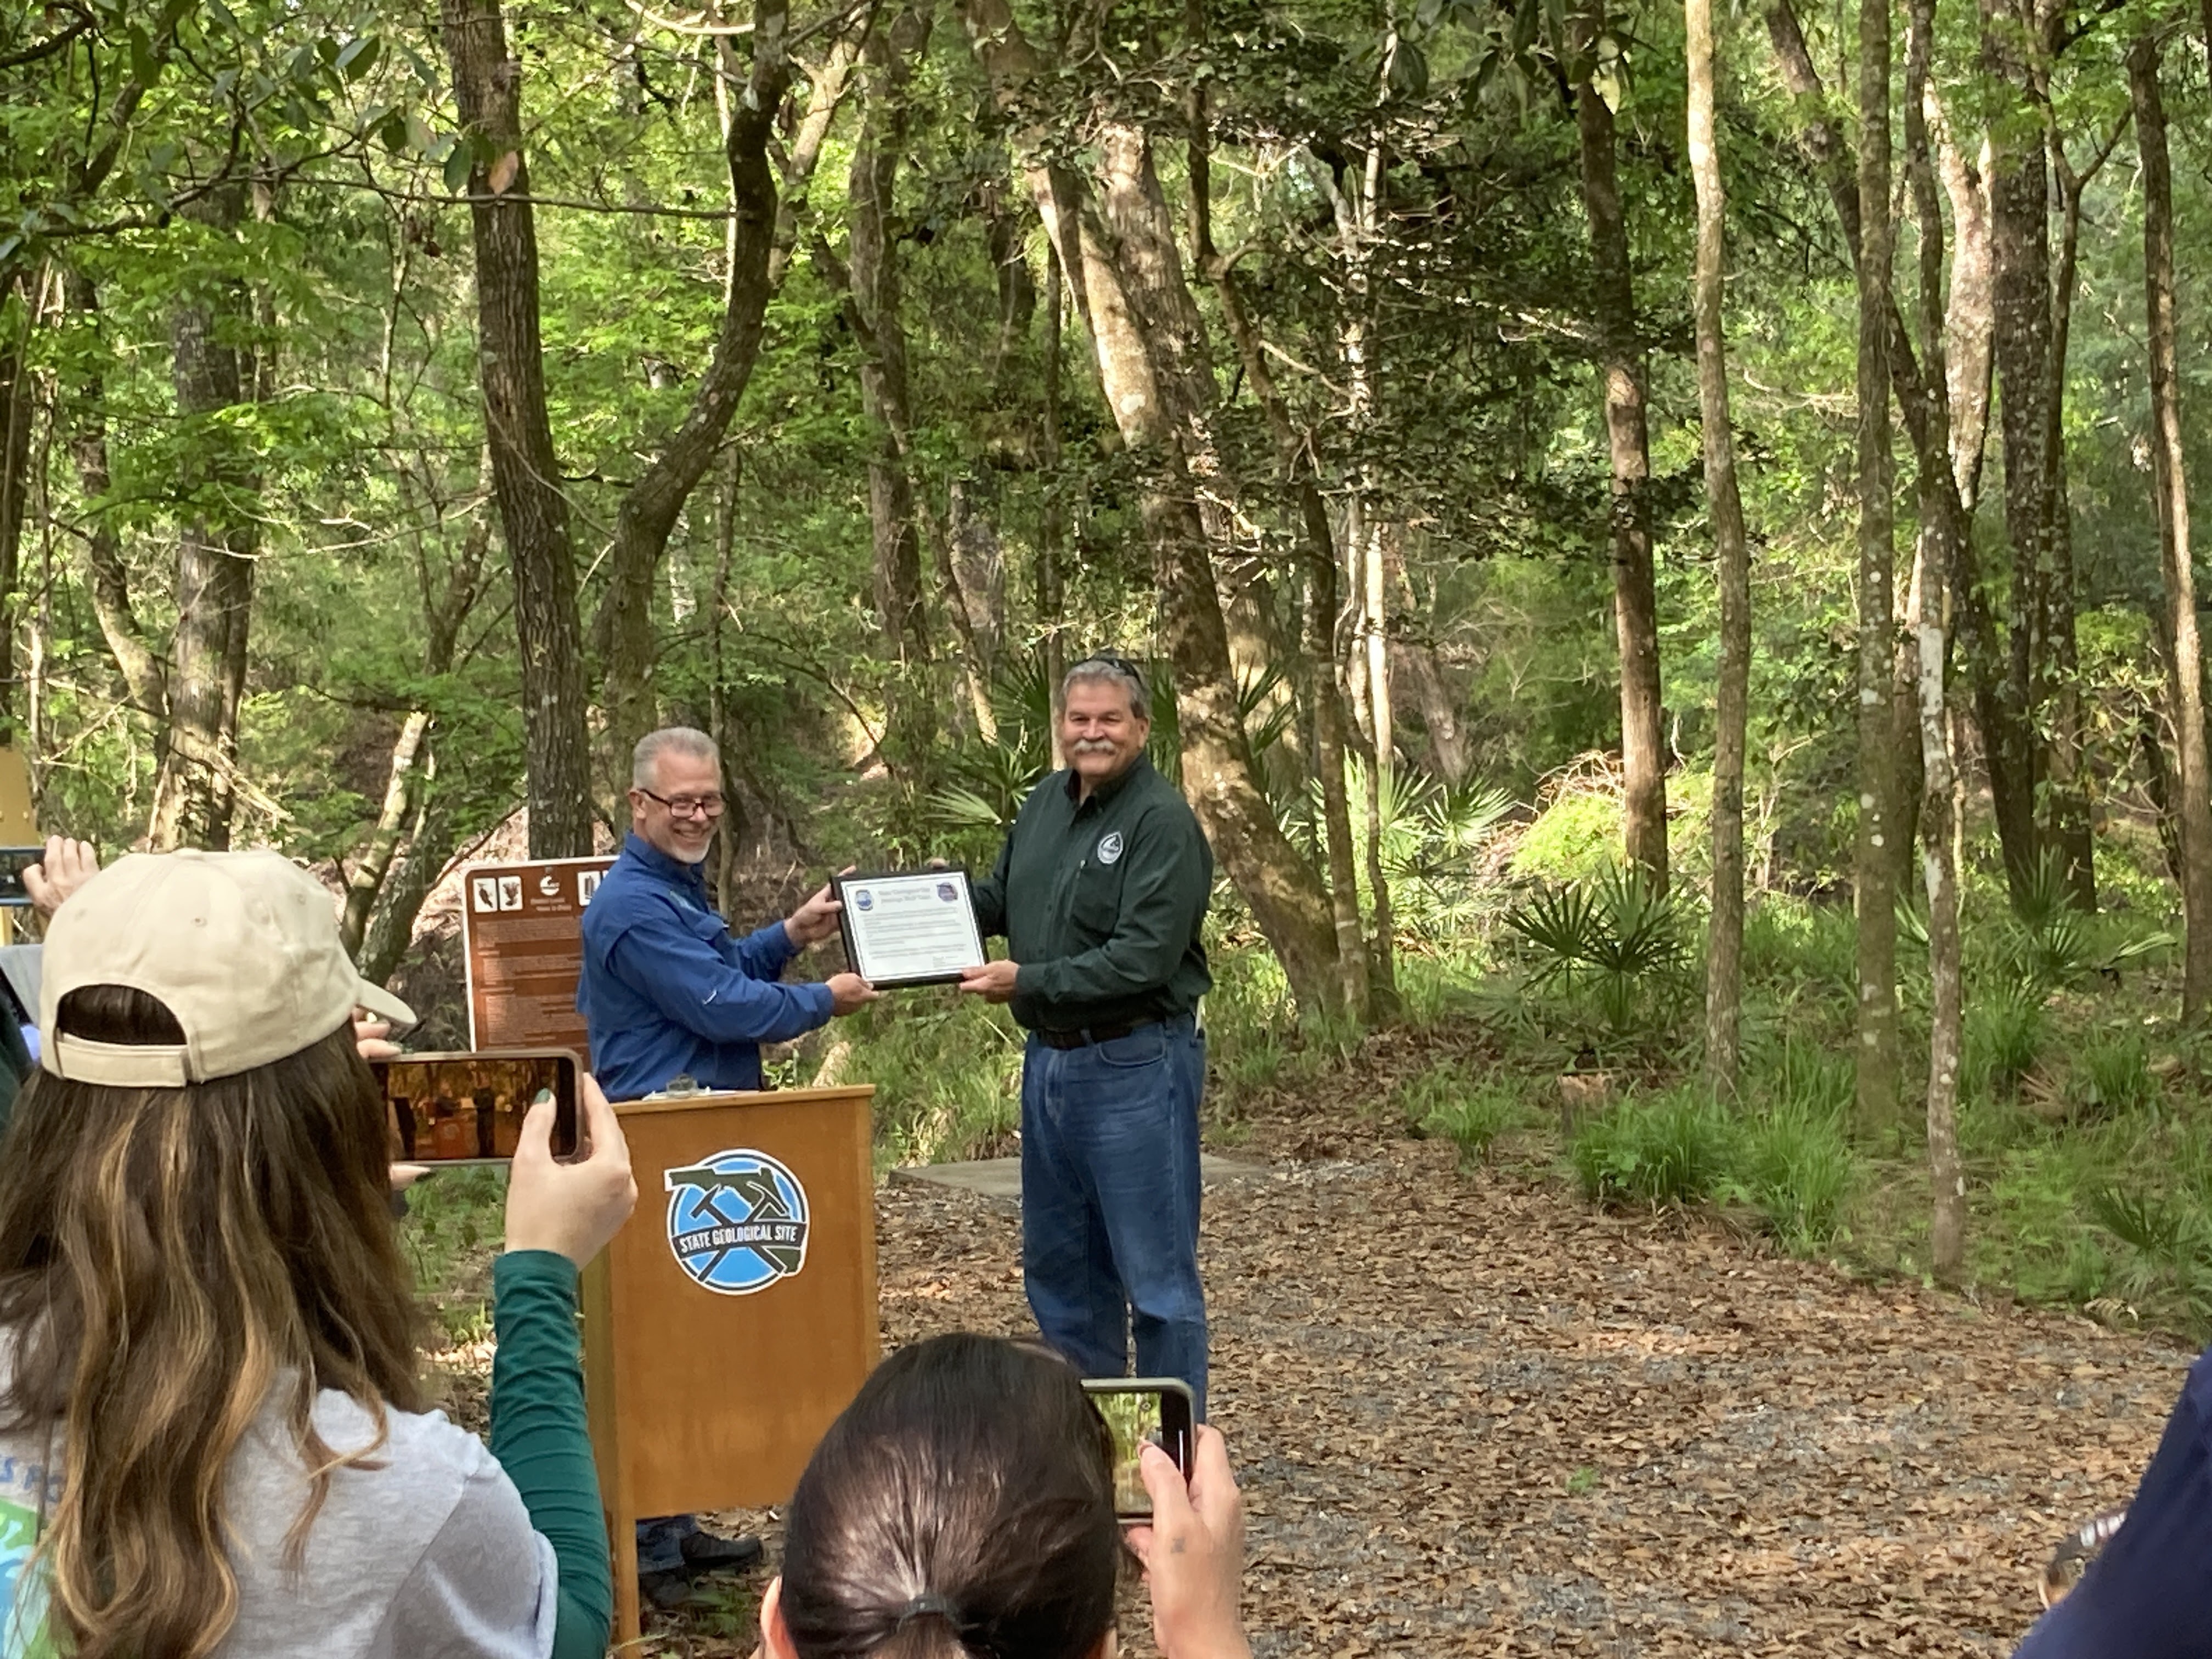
(660, 1543)
(1109, 1201)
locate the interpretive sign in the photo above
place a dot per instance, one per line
(522, 931)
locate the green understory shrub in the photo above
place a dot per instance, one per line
(1675, 1148)
(1796, 1170)
(1448, 1100)
(2112, 1075)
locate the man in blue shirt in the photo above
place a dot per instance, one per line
(668, 994)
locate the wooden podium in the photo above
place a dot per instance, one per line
(735, 1315)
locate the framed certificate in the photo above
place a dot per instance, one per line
(912, 929)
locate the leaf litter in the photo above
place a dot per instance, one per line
(1472, 1417)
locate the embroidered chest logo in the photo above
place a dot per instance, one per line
(737, 1222)
(1109, 848)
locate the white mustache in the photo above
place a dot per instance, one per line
(1093, 746)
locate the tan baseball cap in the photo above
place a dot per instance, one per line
(242, 947)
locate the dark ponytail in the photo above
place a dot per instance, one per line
(962, 1505)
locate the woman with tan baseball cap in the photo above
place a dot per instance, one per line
(212, 1434)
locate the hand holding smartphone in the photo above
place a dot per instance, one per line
(469, 1107)
(1142, 1411)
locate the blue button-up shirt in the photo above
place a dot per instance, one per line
(666, 992)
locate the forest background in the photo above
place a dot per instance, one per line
(1662, 541)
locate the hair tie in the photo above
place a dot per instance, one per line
(922, 1606)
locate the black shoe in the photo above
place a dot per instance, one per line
(669, 1591)
(703, 1551)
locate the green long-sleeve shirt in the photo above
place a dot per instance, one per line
(1101, 902)
(538, 1436)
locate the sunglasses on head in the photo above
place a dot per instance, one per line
(1119, 664)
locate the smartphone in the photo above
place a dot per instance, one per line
(12, 861)
(1138, 1409)
(468, 1108)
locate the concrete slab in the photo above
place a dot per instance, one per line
(999, 1179)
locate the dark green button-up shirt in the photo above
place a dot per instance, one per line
(1101, 902)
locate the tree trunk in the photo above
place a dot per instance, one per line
(1874, 863)
(15, 407)
(1324, 605)
(1946, 1228)
(650, 508)
(2066, 797)
(873, 250)
(142, 671)
(1125, 274)
(2184, 652)
(2021, 254)
(215, 544)
(1051, 537)
(1732, 556)
(526, 473)
(1635, 602)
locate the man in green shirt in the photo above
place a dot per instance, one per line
(1101, 890)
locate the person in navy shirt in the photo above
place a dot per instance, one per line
(2149, 1594)
(667, 993)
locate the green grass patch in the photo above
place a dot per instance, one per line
(1448, 1102)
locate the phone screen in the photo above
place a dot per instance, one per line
(1137, 1410)
(468, 1108)
(12, 862)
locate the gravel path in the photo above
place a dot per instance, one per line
(1472, 1417)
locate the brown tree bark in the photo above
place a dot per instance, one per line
(872, 247)
(1874, 863)
(1947, 1182)
(1635, 602)
(16, 409)
(144, 674)
(1324, 604)
(2065, 800)
(1732, 557)
(526, 473)
(650, 508)
(2184, 649)
(2020, 225)
(215, 545)
(1118, 249)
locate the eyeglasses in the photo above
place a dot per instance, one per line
(686, 806)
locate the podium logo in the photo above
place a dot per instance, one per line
(737, 1221)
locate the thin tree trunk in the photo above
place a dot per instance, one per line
(1052, 594)
(214, 564)
(1323, 603)
(1635, 603)
(2066, 797)
(533, 511)
(15, 409)
(651, 505)
(1732, 555)
(1946, 1183)
(2184, 651)
(1874, 863)
(142, 671)
(401, 787)
(2020, 252)
(871, 245)
(1126, 273)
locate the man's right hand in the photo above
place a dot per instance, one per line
(849, 992)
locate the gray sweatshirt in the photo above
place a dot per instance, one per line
(428, 1554)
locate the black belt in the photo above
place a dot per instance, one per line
(1091, 1034)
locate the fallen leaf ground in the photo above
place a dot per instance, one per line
(1472, 1417)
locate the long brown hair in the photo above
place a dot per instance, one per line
(169, 1258)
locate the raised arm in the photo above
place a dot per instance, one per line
(687, 980)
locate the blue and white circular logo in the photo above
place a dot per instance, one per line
(737, 1221)
(864, 899)
(1109, 848)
